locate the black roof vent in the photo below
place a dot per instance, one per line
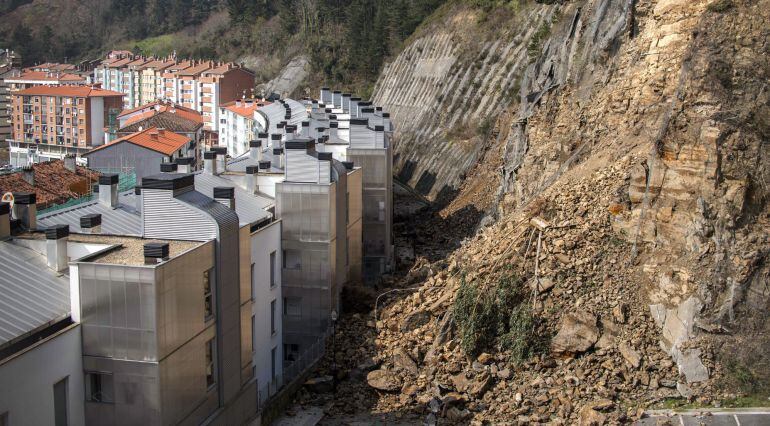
(252, 170)
(367, 110)
(379, 128)
(137, 190)
(325, 156)
(169, 181)
(327, 110)
(291, 128)
(168, 167)
(5, 208)
(277, 151)
(155, 252)
(210, 155)
(227, 192)
(325, 88)
(219, 149)
(385, 115)
(185, 161)
(90, 220)
(305, 124)
(24, 197)
(275, 136)
(337, 92)
(281, 125)
(346, 95)
(348, 165)
(108, 179)
(359, 121)
(287, 116)
(264, 165)
(57, 232)
(255, 144)
(333, 125)
(333, 117)
(320, 129)
(262, 135)
(378, 108)
(301, 143)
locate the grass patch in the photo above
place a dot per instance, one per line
(720, 6)
(497, 318)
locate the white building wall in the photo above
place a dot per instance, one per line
(263, 242)
(26, 381)
(97, 121)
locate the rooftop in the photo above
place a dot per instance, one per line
(123, 220)
(53, 183)
(159, 106)
(45, 76)
(74, 91)
(169, 119)
(245, 107)
(159, 140)
(249, 207)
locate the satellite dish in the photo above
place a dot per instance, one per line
(7, 198)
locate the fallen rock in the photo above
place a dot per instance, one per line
(610, 331)
(631, 356)
(321, 384)
(577, 333)
(485, 358)
(383, 380)
(460, 382)
(504, 374)
(542, 285)
(590, 417)
(619, 313)
(480, 386)
(415, 320)
(402, 359)
(455, 415)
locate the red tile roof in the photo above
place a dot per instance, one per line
(152, 109)
(54, 184)
(196, 70)
(45, 76)
(247, 106)
(76, 91)
(163, 141)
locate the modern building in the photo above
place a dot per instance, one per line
(141, 154)
(41, 366)
(238, 124)
(52, 121)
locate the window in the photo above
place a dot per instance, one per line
(253, 333)
(382, 211)
(290, 352)
(272, 269)
(292, 259)
(253, 279)
(99, 387)
(210, 370)
(60, 416)
(272, 362)
(272, 317)
(208, 298)
(292, 306)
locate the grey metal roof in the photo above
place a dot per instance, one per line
(239, 164)
(249, 207)
(123, 220)
(31, 294)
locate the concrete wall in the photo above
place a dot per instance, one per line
(27, 380)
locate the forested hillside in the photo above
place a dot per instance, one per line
(344, 40)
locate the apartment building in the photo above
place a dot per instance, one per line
(52, 121)
(197, 341)
(163, 115)
(9, 62)
(238, 124)
(151, 80)
(354, 130)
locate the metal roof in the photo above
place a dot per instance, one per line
(31, 294)
(249, 207)
(123, 220)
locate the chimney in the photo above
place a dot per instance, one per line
(69, 162)
(325, 164)
(138, 194)
(184, 164)
(168, 167)
(210, 162)
(333, 126)
(305, 132)
(225, 195)
(346, 102)
(5, 220)
(56, 247)
(278, 157)
(255, 150)
(264, 138)
(155, 253)
(25, 209)
(108, 190)
(28, 174)
(154, 135)
(251, 179)
(221, 158)
(275, 140)
(91, 223)
(337, 99)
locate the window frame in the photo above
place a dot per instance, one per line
(89, 388)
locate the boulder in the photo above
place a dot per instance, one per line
(321, 384)
(590, 417)
(383, 380)
(404, 361)
(631, 356)
(577, 333)
(415, 320)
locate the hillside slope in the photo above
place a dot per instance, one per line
(640, 138)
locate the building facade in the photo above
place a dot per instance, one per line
(52, 121)
(238, 124)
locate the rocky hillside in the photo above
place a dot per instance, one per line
(630, 229)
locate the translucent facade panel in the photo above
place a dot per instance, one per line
(305, 212)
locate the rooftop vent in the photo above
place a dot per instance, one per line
(168, 167)
(91, 223)
(108, 190)
(210, 162)
(225, 195)
(56, 247)
(25, 209)
(5, 220)
(155, 253)
(348, 165)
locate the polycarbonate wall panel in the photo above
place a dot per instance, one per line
(180, 301)
(374, 162)
(136, 391)
(305, 211)
(314, 269)
(355, 194)
(118, 311)
(313, 316)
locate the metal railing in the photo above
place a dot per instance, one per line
(307, 358)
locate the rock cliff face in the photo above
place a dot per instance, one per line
(640, 135)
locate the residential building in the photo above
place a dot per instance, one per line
(9, 63)
(140, 154)
(163, 115)
(52, 121)
(41, 365)
(238, 124)
(151, 80)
